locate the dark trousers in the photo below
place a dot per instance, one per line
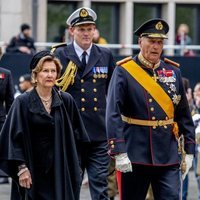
(165, 183)
(95, 160)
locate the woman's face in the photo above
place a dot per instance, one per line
(47, 76)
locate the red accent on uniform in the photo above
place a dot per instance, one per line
(119, 181)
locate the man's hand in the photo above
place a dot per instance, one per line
(24, 49)
(188, 160)
(123, 164)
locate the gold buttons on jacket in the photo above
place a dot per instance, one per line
(153, 118)
(112, 146)
(154, 127)
(150, 100)
(94, 90)
(83, 99)
(111, 142)
(95, 99)
(82, 81)
(82, 109)
(166, 118)
(95, 109)
(152, 108)
(82, 90)
(94, 80)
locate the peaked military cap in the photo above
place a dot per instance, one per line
(154, 28)
(82, 16)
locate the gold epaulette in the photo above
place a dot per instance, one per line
(124, 60)
(54, 47)
(166, 60)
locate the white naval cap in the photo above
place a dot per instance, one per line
(82, 16)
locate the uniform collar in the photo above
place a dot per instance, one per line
(146, 63)
(79, 50)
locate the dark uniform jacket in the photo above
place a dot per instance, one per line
(6, 92)
(48, 145)
(90, 87)
(147, 145)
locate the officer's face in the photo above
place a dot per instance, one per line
(83, 35)
(151, 48)
(47, 76)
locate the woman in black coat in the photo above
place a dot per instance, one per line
(6, 99)
(42, 137)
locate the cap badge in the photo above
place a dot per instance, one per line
(83, 13)
(159, 26)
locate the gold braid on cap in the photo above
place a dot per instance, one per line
(68, 77)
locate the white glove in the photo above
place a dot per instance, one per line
(188, 160)
(123, 164)
(196, 119)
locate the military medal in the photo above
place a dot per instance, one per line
(94, 72)
(176, 99)
(172, 87)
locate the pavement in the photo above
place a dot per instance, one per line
(192, 192)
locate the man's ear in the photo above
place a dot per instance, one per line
(71, 30)
(139, 41)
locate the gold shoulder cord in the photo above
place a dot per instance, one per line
(68, 77)
(70, 72)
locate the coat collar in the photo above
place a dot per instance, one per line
(35, 103)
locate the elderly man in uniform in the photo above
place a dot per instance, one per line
(86, 75)
(146, 107)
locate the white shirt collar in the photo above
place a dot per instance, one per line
(79, 50)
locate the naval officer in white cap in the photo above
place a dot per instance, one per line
(87, 69)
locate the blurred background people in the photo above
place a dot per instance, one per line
(183, 38)
(23, 42)
(189, 95)
(196, 119)
(6, 99)
(25, 83)
(97, 38)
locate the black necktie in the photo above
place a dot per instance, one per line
(84, 59)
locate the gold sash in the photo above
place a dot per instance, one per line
(154, 89)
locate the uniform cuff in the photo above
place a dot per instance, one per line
(116, 146)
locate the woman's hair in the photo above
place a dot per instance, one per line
(40, 64)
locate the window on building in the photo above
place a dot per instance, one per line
(107, 20)
(57, 14)
(143, 12)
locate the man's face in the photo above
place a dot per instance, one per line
(27, 32)
(151, 48)
(83, 35)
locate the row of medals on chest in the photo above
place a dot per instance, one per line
(164, 76)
